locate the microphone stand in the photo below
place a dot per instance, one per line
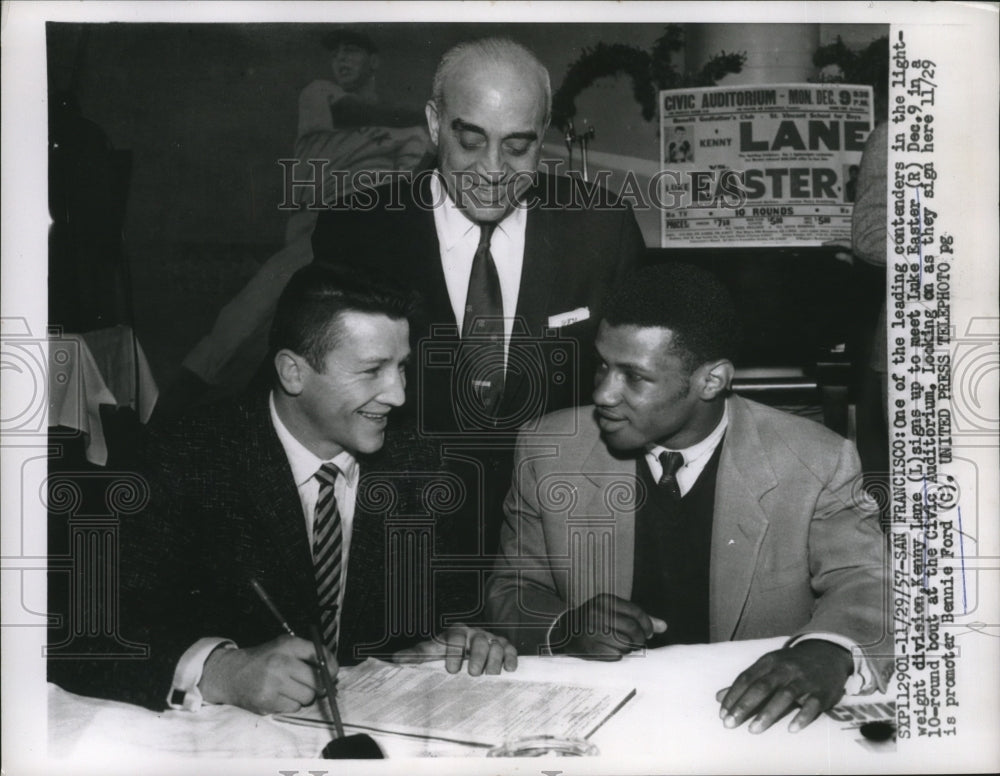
(583, 140)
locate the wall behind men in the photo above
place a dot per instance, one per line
(208, 109)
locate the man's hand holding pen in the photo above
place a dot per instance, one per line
(278, 676)
(286, 673)
(486, 652)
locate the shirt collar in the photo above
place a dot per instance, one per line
(454, 225)
(305, 463)
(699, 449)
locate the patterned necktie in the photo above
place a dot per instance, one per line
(671, 462)
(327, 551)
(483, 326)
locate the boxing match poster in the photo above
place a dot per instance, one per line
(768, 165)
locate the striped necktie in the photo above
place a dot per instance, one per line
(327, 551)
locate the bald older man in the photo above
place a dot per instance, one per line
(512, 263)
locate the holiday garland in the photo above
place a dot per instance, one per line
(869, 66)
(650, 72)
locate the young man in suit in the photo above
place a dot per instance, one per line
(512, 264)
(306, 490)
(673, 512)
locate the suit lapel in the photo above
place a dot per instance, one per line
(366, 569)
(367, 617)
(540, 272)
(606, 477)
(422, 251)
(275, 497)
(739, 522)
(540, 268)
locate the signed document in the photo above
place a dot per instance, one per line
(486, 710)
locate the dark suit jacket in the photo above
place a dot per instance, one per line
(575, 250)
(224, 508)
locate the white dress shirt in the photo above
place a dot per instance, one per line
(304, 465)
(696, 457)
(184, 692)
(458, 238)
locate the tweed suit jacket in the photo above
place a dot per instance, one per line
(224, 509)
(796, 546)
(578, 243)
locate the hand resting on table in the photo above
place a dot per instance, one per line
(487, 652)
(809, 675)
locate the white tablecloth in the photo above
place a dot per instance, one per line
(671, 725)
(106, 366)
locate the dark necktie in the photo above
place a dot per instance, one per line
(327, 550)
(671, 462)
(482, 327)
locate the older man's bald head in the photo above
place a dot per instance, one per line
(487, 114)
(492, 55)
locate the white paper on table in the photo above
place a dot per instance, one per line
(485, 710)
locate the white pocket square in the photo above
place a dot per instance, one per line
(565, 319)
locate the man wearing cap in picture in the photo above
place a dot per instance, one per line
(343, 131)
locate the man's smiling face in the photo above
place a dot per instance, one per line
(488, 132)
(346, 405)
